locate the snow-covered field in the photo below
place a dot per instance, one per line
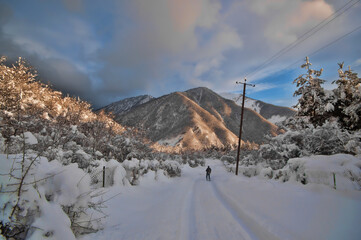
(229, 207)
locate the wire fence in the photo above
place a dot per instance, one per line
(94, 176)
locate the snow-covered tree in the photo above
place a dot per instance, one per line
(348, 98)
(312, 96)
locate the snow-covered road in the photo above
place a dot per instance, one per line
(229, 207)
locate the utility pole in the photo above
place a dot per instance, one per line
(240, 128)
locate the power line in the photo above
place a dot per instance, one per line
(306, 35)
(323, 47)
(302, 39)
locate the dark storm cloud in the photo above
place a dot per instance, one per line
(64, 76)
(59, 73)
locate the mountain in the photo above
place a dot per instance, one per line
(271, 112)
(125, 105)
(196, 119)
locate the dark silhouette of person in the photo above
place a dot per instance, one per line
(208, 173)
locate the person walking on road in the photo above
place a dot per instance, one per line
(208, 173)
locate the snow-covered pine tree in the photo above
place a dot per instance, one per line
(348, 98)
(313, 98)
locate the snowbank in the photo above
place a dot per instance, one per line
(52, 197)
(340, 171)
(322, 169)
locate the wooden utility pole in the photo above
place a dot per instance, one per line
(240, 128)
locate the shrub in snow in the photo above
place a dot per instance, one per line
(194, 161)
(327, 139)
(33, 189)
(269, 151)
(227, 158)
(249, 171)
(298, 141)
(132, 168)
(321, 170)
(115, 174)
(82, 158)
(267, 173)
(172, 168)
(136, 168)
(353, 145)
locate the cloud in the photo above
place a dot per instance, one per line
(196, 82)
(73, 5)
(357, 62)
(112, 49)
(206, 65)
(5, 13)
(164, 37)
(65, 76)
(286, 20)
(53, 66)
(309, 12)
(186, 14)
(261, 87)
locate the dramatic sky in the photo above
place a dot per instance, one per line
(104, 51)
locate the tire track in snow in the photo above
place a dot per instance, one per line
(187, 225)
(252, 227)
(212, 220)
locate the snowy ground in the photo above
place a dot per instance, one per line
(229, 207)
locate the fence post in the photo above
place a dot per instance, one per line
(103, 176)
(334, 180)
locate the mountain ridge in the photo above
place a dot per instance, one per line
(196, 119)
(271, 112)
(126, 104)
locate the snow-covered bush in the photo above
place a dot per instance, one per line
(248, 171)
(267, 173)
(193, 159)
(115, 174)
(34, 190)
(341, 171)
(173, 168)
(227, 158)
(132, 168)
(299, 140)
(327, 139)
(136, 168)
